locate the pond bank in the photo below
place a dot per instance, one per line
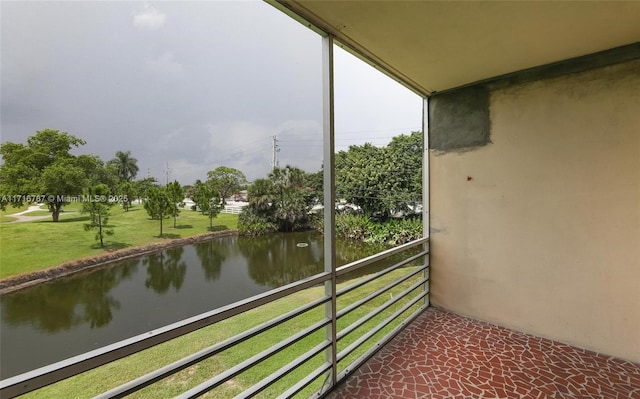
(21, 281)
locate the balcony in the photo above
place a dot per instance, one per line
(444, 355)
(439, 354)
(392, 347)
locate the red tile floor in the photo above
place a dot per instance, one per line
(445, 355)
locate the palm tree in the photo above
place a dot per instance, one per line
(291, 208)
(261, 194)
(126, 166)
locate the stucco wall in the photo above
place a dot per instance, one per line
(540, 229)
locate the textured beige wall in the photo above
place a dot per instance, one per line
(540, 230)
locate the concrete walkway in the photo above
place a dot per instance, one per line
(21, 216)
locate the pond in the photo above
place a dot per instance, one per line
(64, 318)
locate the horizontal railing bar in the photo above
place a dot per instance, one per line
(50, 374)
(346, 331)
(374, 348)
(345, 352)
(306, 381)
(272, 378)
(379, 256)
(150, 378)
(379, 274)
(252, 361)
(376, 293)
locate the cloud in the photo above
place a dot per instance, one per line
(185, 171)
(165, 66)
(248, 146)
(149, 18)
(196, 99)
(300, 144)
(242, 145)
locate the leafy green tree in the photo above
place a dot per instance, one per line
(282, 200)
(126, 166)
(126, 190)
(315, 182)
(98, 209)
(51, 145)
(360, 176)
(142, 186)
(201, 194)
(227, 180)
(404, 155)
(382, 180)
(158, 205)
(176, 197)
(43, 166)
(59, 181)
(96, 171)
(207, 200)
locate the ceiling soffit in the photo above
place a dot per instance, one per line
(435, 46)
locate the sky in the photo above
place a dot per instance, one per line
(187, 86)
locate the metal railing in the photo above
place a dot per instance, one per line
(367, 312)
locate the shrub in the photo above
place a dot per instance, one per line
(351, 226)
(393, 232)
(251, 222)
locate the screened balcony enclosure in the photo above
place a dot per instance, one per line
(526, 282)
(534, 191)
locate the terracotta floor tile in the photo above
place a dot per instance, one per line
(444, 355)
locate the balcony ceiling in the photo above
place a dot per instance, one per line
(434, 46)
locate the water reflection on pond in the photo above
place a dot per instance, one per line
(57, 320)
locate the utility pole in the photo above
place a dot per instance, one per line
(274, 154)
(167, 172)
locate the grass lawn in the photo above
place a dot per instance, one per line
(109, 376)
(36, 245)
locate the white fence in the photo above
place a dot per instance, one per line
(234, 207)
